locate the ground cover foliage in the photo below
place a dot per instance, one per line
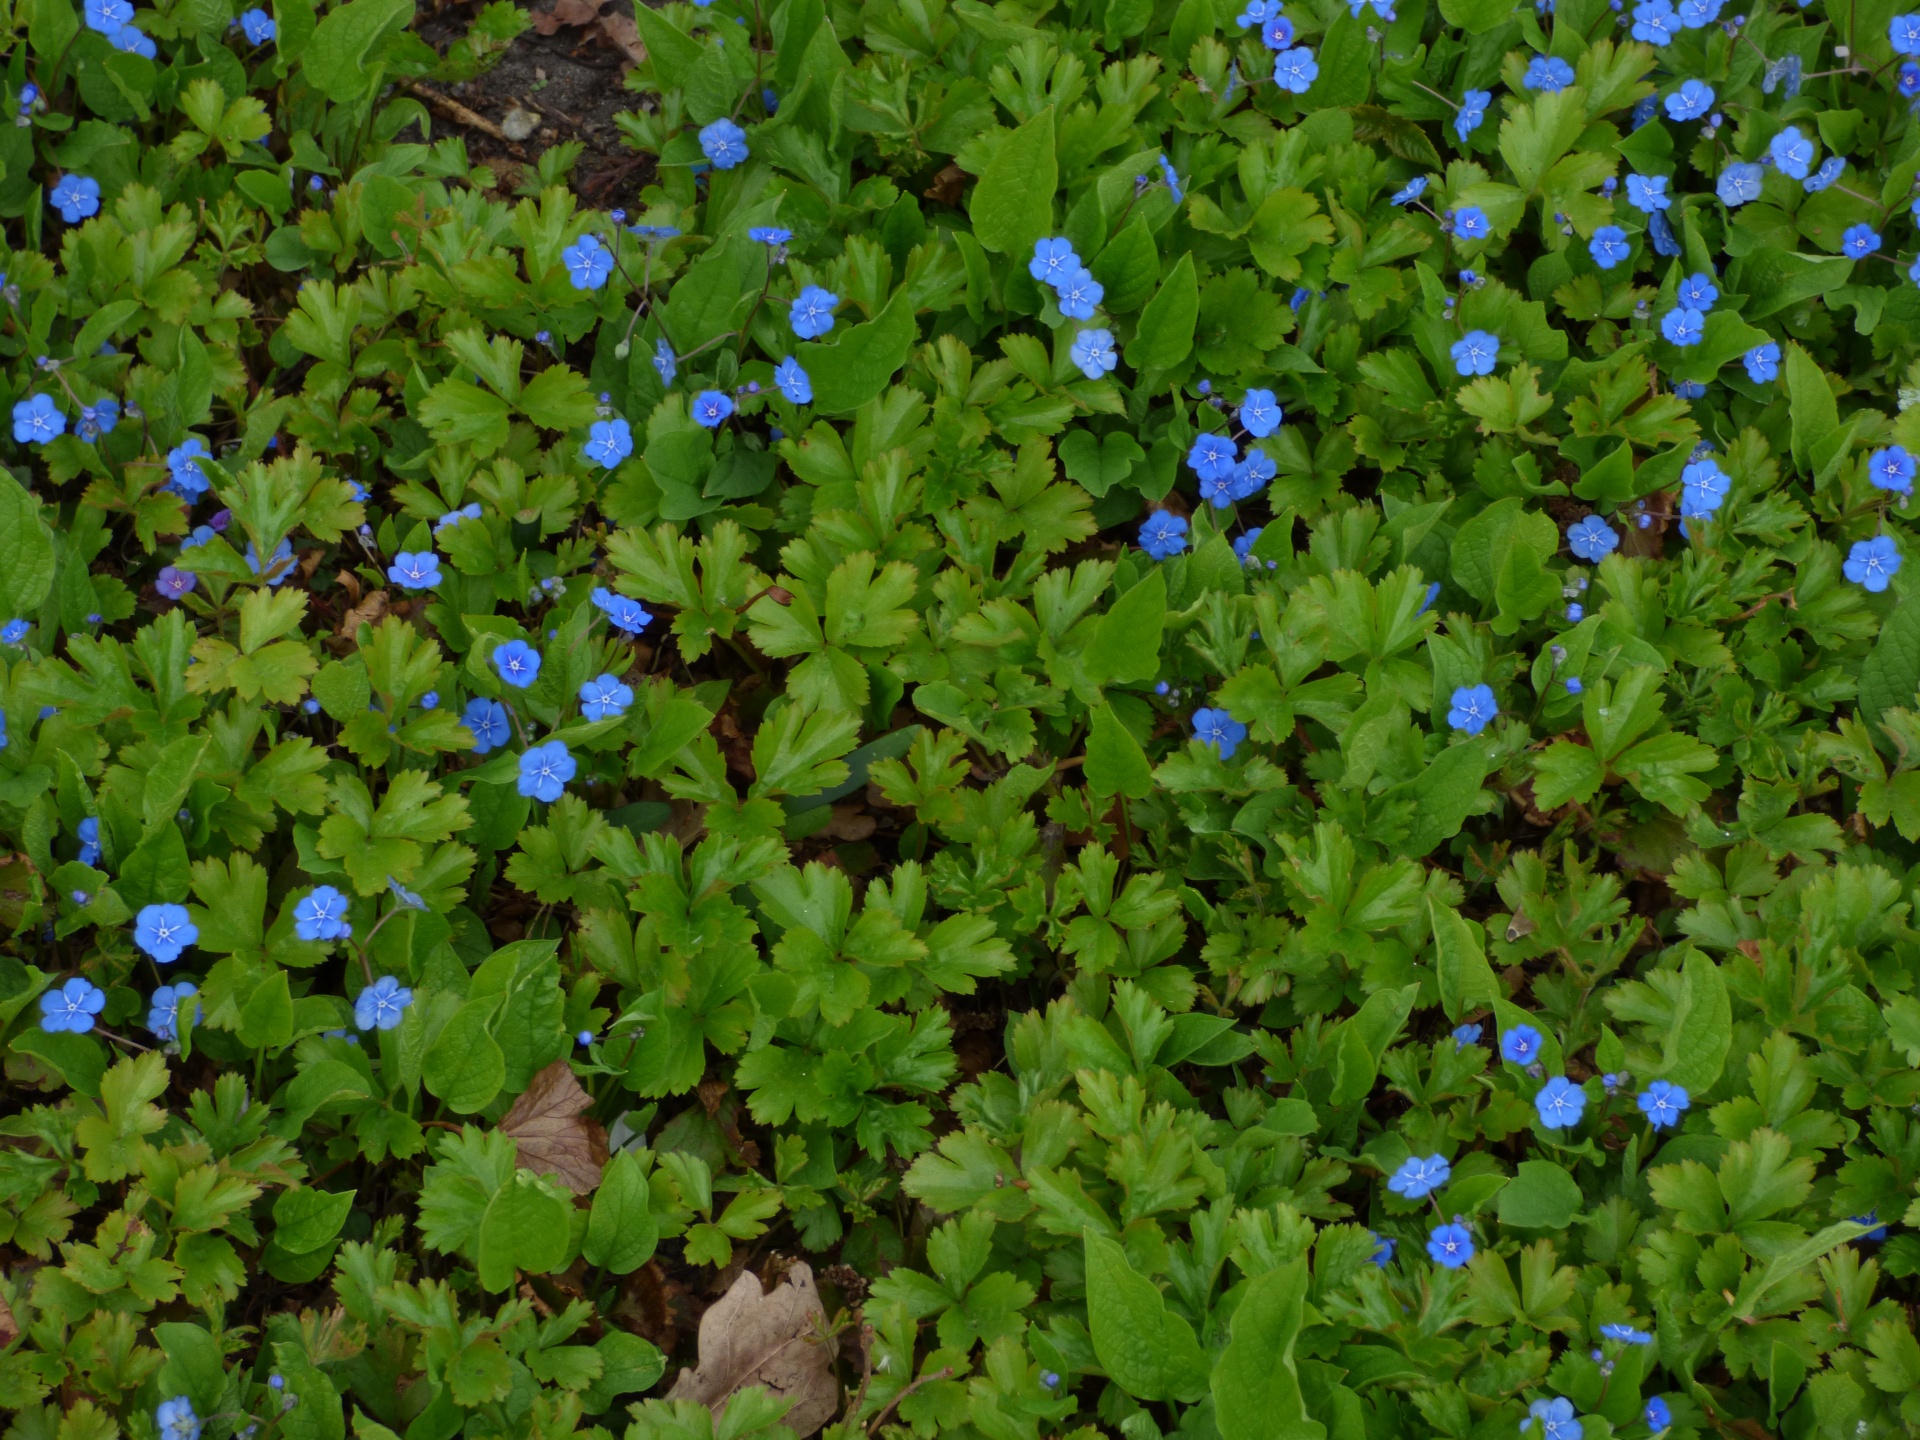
(1126, 719)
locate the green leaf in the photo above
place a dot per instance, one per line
(266, 1020)
(1125, 648)
(1165, 334)
(1256, 1386)
(1443, 795)
(1115, 764)
(465, 1066)
(858, 366)
(1099, 463)
(334, 61)
(1127, 268)
(1541, 1196)
(1460, 961)
(195, 1366)
(1476, 17)
(1146, 1350)
(304, 1219)
(526, 1227)
(621, 1229)
(1701, 1032)
(1890, 675)
(1816, 415)
(1012, 205)
(28, 545)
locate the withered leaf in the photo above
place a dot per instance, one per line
(554, 1137)
(776, 1338)
(9, 1327)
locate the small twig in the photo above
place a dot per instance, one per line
(941, 1374)
(453, 110)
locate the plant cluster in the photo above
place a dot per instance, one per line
(1128, 719)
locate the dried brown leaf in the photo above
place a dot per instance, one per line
(368, 612)
(850, 822)
(565, 13)
(776, 1338)
(554, 1137)
(9, 1327)
(624, 36)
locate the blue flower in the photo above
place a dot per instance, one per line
(1648, 192)
(1053, 260)
(185, 477)
(1891, 469)
(163, 1008)
(1698, 292)
(1251, 475)
(1662, 1103)
(1703, 488)
(1470, 223)
(1410, 192)
(622, 613)
(724, 143)
(1295, 70)
(258, 27)
(107, 16)
(1549, 73)
(1859, 241)
(1164, 534)
(415, 570)
(1739, 183)
(1450, 1246)
(163, 931)
(1465, 1035)
(1172, 177)
(545, 770)
(470, 511)
(1661, 234)
(37, 420)
(1218, 729)
(654, 234)
(130, 39)
(664, 363)
(1560, 1103)
(382, 1005)
(1903, 34)
(1475, 352)
(430, 700)
(279, 564)
(1592, 539)
(711, 407)
(1079, 294)
(89, 833)
(322, 915)
(1520, 1044)
(608, 443)
(72, 1007)
(1698, 14)
(1473, 110)
(517, 663)
(487, 719)
(1657, 1415)
(793, 382)
(1693, 99)
(1608, 246)
(1763, 363)
(1243, 544)
(1417, 1178)
(588, 263)
(1260, 413)
(1218, 490)
(1792, 152)
(1655, 22)
(1277, 32)
(76, 197)
(1872, 1217)
(1213, 456)
(769, 234)
(604, 697)
(1256, 13)
(1472, 707)
(1683, 327)
(1831, 169)
(1556, 1419)
(1382, 1250)
(98, 419)
(1625, 1334)
(812, 312)
(1093, 352)
(176, 1419)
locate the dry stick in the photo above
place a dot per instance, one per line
(455, 111)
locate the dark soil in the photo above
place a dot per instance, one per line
(570, 80)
